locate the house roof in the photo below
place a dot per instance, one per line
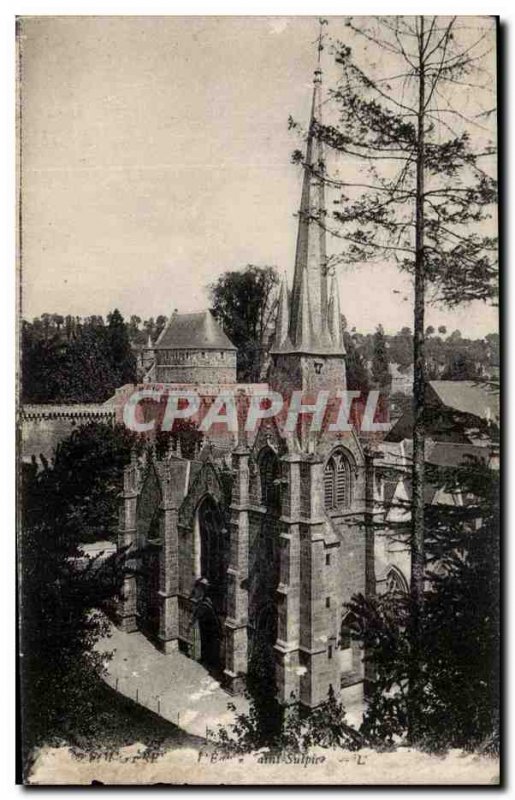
(469, 397)
(448, 454)
(442, 454)
(193, 332)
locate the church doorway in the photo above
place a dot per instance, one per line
(210, 594)
(210, 636)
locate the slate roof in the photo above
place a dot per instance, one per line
(449, 454)
(469, 397)
(442, 454)
(445, 400)
(193, 332)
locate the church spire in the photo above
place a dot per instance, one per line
(307, 313)
(333, 316)
(310, 256)
(282, 321)
(303, 334)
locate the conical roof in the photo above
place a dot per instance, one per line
(193, 332)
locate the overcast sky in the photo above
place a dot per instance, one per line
(156, 155)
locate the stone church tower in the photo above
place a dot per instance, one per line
(308, 352)
(249, 553)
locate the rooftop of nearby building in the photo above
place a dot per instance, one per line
(469, 397)
(198, 331)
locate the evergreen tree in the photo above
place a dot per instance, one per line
(456, 702)
(426, 185)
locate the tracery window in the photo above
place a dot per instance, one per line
(395, 582)
(337, 482)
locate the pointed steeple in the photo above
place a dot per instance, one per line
(308, 318)
(311, 254)
(282, 321)
(333, 316)
(303, 333)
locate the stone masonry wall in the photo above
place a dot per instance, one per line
(192, 366)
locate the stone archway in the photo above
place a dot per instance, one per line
(210, 591)
(209, 635)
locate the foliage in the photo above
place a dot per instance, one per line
(185, 435)
(81, 488)
(121, 358)
(262, 725)
(294, 728)
(358, 378)
(63, 591)
(380, 362)
(69, 360)
(456, 702)
(378, 130)
(425, 185)
(141, 330)
(245, 302)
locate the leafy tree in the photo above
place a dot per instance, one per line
(358, 378)
(184, 435)
(455, 337)
(69, 360)
(380, 363)
(292, 728)
(62, 592)
(401, 349)
(461, 367)
(133, 327)
(160, 324)
(70, 369)
(493, 343)
(245, 302)
(121, 357)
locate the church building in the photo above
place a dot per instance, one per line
(249, 550)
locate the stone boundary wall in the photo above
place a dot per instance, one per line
(43, 426)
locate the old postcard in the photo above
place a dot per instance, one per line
(258, 405)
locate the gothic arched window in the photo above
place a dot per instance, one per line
(395, 582)
(269, 473)
(337, 482)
